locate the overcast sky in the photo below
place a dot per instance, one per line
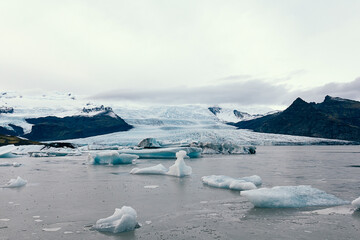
(186, 51)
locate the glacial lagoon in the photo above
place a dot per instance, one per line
(65, 196)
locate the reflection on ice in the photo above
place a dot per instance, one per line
(291, 197)
(122, 220)
(220, 181)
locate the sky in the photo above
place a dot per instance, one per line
(265, 52)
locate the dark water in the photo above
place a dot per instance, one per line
(65, 193)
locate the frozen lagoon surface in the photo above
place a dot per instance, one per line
(66, 193)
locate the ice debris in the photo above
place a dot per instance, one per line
(178, 169)
(112, 157)
(6, 151)
(6, 164)
(164, 153)
(241, 184)
(122, 220)
(356, 203)
(158, 170)
(291, 197)
(149, 143)
(224, 148)
(15, 183)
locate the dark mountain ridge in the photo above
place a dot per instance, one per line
(334, 118)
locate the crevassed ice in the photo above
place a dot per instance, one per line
(111, 157)
(221, 181)
(291, 197)
(122, 220)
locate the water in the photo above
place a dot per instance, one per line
(64, 193)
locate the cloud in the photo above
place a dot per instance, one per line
(250, 92)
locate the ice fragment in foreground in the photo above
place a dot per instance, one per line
(14, 183)
(122, 220)
(112, 157)
(291, 197)
(356, 203)
(220, 181)
(158, 169)
(180, 169)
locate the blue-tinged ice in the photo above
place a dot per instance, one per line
(356, 203)
(180, 169)
(291, 197)
(122, 220)
(221, 181)
(15, 183)
(164, 153)
(158, 170)
(111, 157)
(6, 151)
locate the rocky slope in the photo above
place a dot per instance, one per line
(335, 118)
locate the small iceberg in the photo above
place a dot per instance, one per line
(164, 153)
(158, 170)
(291, 197)
(224, 148)
(122, 220)
(6, 164)
(6, 151)
(240, 184)
(112, 157)
(356, 203)
(15, 183)
(179, 169)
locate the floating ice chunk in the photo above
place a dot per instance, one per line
(151, 186)
(164, 153)
(5, 151)
(55, 229)
(220, 181)
(122, 220)
(158, 169)
(15, 183)
(180, 169)
(112, 157)
(16, 164)
(55, 152)
(149, 143)
(356, 203)
(6, 164)
(224, 148)
(291, 197)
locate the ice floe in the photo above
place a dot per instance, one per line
(220, 181)
(15, 183)
(178, 169)
(111, 157)
(122, 220)
(164, 153)
(356, 203)
(7, 164)
(291, 197)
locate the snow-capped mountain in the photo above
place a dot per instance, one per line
(230, 115)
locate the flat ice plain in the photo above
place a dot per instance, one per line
(66, 194)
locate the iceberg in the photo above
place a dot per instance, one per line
(122, 220)
(112, 157)
(224, 148)
(356, 203)
(15, 183)
(158, 170)
(6, 164)
(180, 169)
(291, 197)
(149, 143)
(240, 184)
(5, 151)
(163, 153)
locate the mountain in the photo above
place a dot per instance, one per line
(7, 140)
(232, 115)
(334, 118)
(55, 128)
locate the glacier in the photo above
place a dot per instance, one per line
(111, 157)
(356, 203)
(15, 183)
(123, 220)
(291, 197)
(240, 184)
